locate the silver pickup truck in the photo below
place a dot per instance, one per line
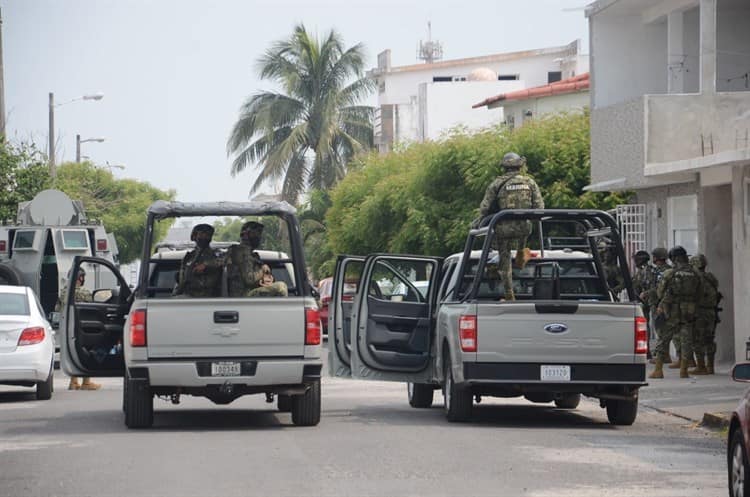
(438, 323)
(217, 347)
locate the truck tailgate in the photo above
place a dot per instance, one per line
(259, 327)
(599, 332)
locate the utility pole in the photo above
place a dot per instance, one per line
(2, 84)
(78, 149)
(51, 152)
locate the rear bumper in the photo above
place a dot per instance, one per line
(580, 374)
(27, 363)
(193, 374)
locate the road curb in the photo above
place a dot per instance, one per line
(715, 420)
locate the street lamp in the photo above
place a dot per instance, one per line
(52, 105)
(78, 145)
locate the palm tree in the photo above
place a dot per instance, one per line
(307, 133)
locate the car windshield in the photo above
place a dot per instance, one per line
(13, 304)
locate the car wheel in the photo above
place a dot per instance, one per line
(420, 395)
(622, 412)
(139, 404)
(737, 465)
(459, 402)
(284, 403)
(10, 275)
(45, 388)
(306, 407)
(568, 401)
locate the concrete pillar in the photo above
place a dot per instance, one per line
(708, 46)
(675, 50)
(740, 260)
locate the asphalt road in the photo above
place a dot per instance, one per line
(369, 442)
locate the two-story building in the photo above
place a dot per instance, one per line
(670, 120)
(422, 101)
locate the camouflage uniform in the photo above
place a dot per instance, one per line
(245, 269)
(612, 273)
(705, 316)
(200, 284)
(512, 190)
(679, 293)
(641, 279)
(652, 278)
(81, 294)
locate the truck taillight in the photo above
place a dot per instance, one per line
(3, 246)
(31, 336)
(641, 335)
(312, 326)
(101, 244)
(138, 328)
(467, 333)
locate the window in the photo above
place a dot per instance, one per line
(553, 76)
(24, 240)
(13, 304)
(683, 222)
(507, 77)
(75, 240)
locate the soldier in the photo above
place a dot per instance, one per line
(512, 190)
(200, 271)
(679, 292)
(612, 272)
(641, 277)
(649, 294)
(82, 294)
(705, 318)
(246, 274)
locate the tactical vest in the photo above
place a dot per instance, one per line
(516, 193)
(684, 283)
(710, 295)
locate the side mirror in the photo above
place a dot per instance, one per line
(54, 320)
(741, 372)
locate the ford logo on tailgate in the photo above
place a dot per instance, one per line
(556, 328)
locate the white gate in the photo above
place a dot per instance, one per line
(632, 221)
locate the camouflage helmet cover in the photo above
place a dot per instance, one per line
(252, 227)
(202, 228)
(641, 255)
(659, 253)
(677, 251)
(699, 261)
(512, 160)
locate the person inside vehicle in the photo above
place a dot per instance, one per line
(200, 271)
(247, 275)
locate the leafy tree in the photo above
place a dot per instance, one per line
(119, 203)
(318, 253)
(23, 174)
(275, 236)
(307, 133)
(422, 198)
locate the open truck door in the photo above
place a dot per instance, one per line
(346, 282)
(92, 325)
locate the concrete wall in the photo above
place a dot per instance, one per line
(741, 259)
(546, 105)
(676, 123)
(691, 51)
(628, 58)
(617, 149)
(732, 44)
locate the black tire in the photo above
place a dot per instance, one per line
(139, 404)
(306, 407)
(458, 400)
(420, 395)
(10, 275)
(124, 391)
(568, 401)
(284, 403)
(622, 412)
(738, 471)
(45, 388)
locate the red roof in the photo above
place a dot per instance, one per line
(570, 85)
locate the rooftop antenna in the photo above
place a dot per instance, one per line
(429, 51)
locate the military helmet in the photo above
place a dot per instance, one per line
(201, 228)
(512, 160)
(641, 255)
(252, 227)
(677, 251)
(81, 272)
(699, 261)
(659, 253)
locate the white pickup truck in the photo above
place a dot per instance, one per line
(218, 347)
(566, 334)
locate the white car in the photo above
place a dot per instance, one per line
(27, 345)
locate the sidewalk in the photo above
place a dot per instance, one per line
(701, 399)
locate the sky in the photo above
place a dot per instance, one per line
(175, 72)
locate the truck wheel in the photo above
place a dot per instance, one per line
(45, 388)
(306, 407)
(420, 395)
(568, 401)
(10, 275)
(622, 412)
(284, 403)
(458, 400)
(124, 391)
(139, 404)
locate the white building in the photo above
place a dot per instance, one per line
(423, 101)
(670, 119)
(571, 94)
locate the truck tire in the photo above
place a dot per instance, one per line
(459, 402)
(139, 404)
(622, 412)
(420, 395)
(568, 401)
(306, 407)
(45, 388)
(10, 275)
(284, 403)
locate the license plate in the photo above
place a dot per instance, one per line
(555, 373)
(225, 369)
